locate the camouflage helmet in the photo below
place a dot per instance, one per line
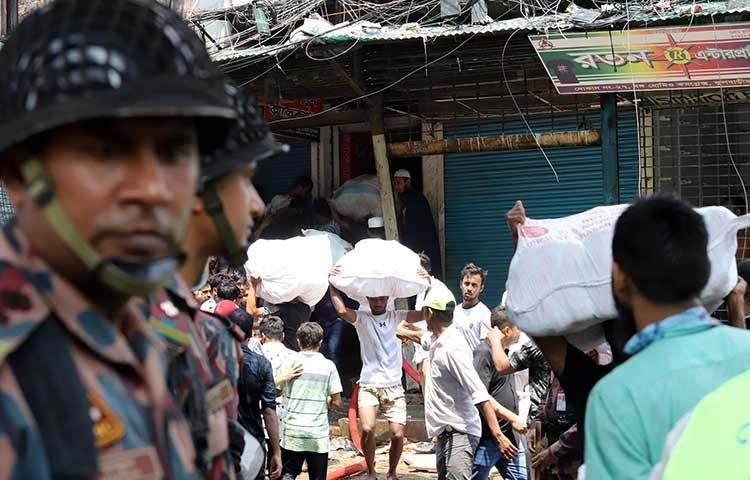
(250, 142)
(75, 60)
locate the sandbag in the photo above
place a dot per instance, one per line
(358, 198)
(559, 281)
(379, 268)
(339, 246)
(290, 269)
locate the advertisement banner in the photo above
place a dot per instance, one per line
(661, 58)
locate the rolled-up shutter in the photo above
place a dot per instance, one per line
(275, 176)
(481, 187)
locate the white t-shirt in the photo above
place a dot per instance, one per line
(472, 323)
(452, 387)
(277, 354)
(380, 348)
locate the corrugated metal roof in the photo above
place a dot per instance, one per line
(363, 31)
(415, 31)
(685, 11)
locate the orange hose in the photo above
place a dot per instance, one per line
(354, 433)
(411, 372)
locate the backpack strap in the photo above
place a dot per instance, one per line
(46, 372)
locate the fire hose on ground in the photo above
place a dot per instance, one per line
(354, 431)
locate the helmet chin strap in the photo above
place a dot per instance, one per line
(134, 279)
(215, 209)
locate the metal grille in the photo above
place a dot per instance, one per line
(689, 152)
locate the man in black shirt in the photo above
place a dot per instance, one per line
(502, 389)
(257, 392)
(529, 356)
(417, 226)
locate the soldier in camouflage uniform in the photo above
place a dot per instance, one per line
(206, 349)
(106, 108)
(221, 225)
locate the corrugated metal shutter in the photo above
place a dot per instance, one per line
(481, 187)
(274, 177)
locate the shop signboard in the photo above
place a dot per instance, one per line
(650, 59)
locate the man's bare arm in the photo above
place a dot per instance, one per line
(343, 312)
(251, 302)
(407, 331)
(509, 416)
(736, 304)
(499, 357)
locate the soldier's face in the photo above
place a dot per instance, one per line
(241, 202)
(126, 184)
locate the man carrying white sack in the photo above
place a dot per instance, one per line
(679, 353)
(380, 380)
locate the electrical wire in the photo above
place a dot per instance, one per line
(523, 117)
(635, 101)
(381, 90)
(391, 85)
(349, 49)
(726, 131)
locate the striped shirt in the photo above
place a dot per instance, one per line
(305, 428)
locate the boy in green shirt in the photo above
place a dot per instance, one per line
(304, 433)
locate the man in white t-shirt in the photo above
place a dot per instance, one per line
(380, 380)
(455, 395)
(472, 317)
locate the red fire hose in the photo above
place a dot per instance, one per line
(354, 431)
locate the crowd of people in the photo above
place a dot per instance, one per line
(133, 343)
(495, 398)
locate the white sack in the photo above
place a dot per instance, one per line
(559, 279)
(339, 246)
(379, 268)
(358, 198)
(251, 461)
(289, 269)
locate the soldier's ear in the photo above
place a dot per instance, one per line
(197, 207)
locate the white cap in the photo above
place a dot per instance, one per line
(375, 222)
(403, 173)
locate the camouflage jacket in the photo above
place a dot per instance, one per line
(137, 431)
(211, 373)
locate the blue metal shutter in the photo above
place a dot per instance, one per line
(481, 187)
(275, 176)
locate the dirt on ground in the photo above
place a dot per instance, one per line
(343, 453)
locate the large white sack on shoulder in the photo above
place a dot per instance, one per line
(559, 279)
(587, 339)
(290, 269)
(722, 226)
(358, 198)
(339, 246)
(379, 268)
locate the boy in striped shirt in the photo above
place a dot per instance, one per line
(304, 434)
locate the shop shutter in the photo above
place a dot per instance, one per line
(481, 187)
(275, 176)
